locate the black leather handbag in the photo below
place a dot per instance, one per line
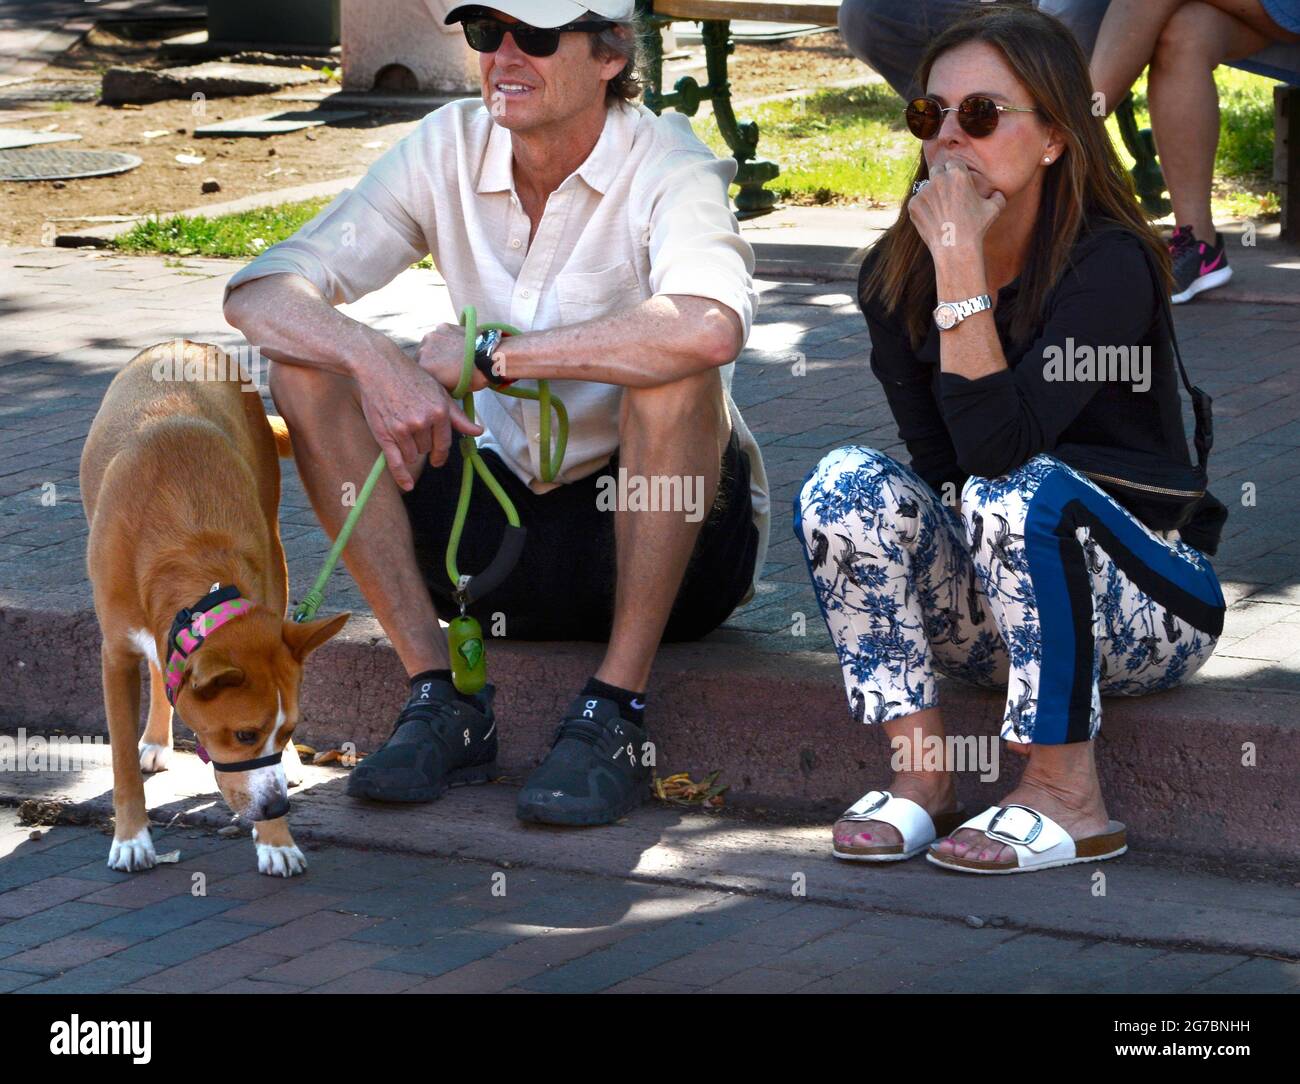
(1163, 494)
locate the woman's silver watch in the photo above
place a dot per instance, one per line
(948, 314)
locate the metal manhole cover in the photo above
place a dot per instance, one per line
(85, 91)
(55, 164)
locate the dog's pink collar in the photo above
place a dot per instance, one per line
(194, 624)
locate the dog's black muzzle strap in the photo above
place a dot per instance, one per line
(248, 765)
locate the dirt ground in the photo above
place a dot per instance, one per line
(161, 184)
(798, 64)
(159, 131)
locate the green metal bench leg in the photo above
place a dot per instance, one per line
(1147, 177)
(752, 172)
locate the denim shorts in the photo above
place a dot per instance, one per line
(1286, 13)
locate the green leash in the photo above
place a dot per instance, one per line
(464, 636)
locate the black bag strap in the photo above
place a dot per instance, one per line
(1202, 403)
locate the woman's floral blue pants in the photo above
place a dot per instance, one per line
(1039, 582)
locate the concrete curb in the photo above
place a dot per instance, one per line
(776, 724)
(214, 79)
(772, 261)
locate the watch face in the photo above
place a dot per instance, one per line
(945, 316)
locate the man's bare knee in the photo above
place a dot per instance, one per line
(682, 402)
(305, 395)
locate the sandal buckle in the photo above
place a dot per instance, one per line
(883, 798)
(1022, 825)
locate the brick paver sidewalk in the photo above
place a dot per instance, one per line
(369, 922)
(69, 319)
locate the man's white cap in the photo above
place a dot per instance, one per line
(548, 13)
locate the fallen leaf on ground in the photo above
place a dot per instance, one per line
(39, 811)
(680, 789)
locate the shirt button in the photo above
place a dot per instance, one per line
(525, 293)
(515, 242)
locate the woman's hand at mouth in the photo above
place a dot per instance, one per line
(949, 212)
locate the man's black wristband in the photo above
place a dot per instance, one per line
(484, 347)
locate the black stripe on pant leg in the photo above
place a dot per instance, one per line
(1200, 615)
(1078, 586)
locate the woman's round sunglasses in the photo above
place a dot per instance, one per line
(977, 115)
(485, 34)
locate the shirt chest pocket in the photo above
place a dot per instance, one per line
(584, 295)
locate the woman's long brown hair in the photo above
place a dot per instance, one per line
(1087, 182)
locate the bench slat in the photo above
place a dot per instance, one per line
(817, 12)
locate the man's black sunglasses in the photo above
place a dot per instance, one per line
(485, 34)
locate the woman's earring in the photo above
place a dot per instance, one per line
(1047, 159)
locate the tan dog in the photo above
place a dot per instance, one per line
(181, 482)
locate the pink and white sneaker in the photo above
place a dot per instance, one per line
(1197, 266)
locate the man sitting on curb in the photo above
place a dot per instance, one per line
(603, 233)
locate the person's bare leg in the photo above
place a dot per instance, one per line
(1184, 102)
(1060, 781)
(1125, 44)
(677, 430)
(333, 448)
(933, 791)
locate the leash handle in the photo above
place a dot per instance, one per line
(507, 556)
(512, 541)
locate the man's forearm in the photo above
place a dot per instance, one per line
(665, 338)
(289, 320)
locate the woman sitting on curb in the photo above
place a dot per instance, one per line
(1184, 41)
(1019, 263)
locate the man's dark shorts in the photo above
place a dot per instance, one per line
(563, 586)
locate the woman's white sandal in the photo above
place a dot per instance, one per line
(1039, 842)
(914, 824)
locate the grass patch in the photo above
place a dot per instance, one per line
(235, 235)
(242, 235)
(846, 145)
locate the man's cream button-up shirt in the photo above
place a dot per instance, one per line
(645, 214)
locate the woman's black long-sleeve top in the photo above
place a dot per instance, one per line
(955, 427)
